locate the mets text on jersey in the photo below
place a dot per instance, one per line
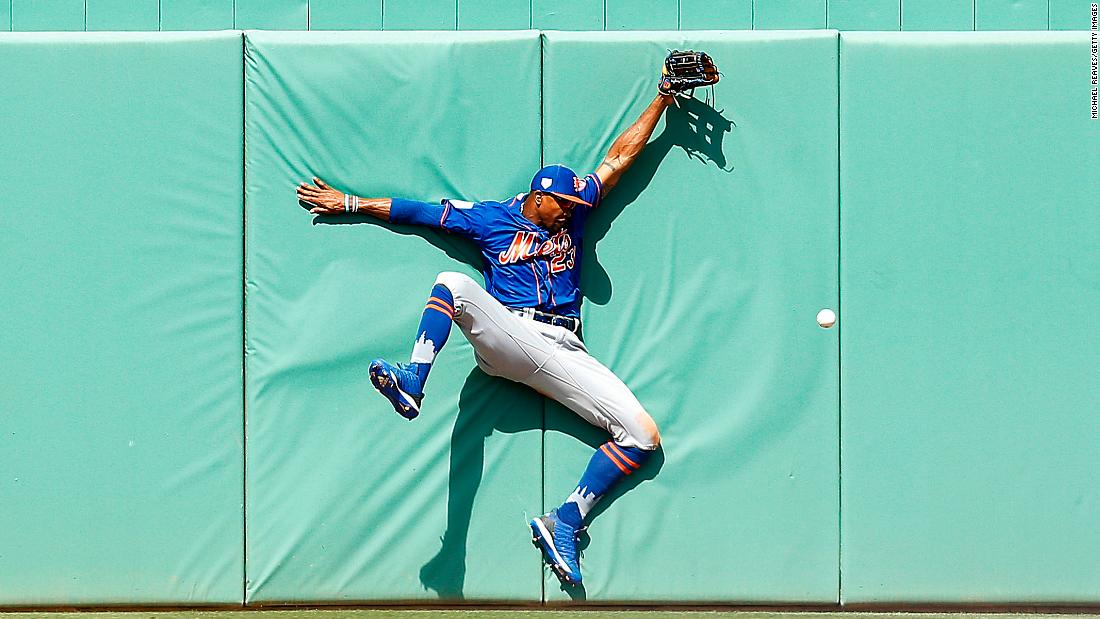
(525, 246)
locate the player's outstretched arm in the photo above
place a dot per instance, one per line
(325, 200)
(627, 146)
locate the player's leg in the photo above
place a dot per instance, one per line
(590, 389)
(505, 344)
(403, 384)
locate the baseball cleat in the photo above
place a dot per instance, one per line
(558, 542)
(400, 386)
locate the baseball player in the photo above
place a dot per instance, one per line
(524, 324)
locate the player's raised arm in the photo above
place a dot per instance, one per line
(629, 145)
(324, 200)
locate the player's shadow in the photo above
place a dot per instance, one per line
(696, 128)
(488, 405)
(456, 247)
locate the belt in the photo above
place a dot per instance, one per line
(572, 324)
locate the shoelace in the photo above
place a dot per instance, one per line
(569, 548)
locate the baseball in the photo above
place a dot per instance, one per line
(826, 318)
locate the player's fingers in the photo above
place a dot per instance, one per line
(320, 183)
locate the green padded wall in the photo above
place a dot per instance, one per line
(789, 14)
(704, 271)
(493, 15)
(716, 14)
(122, 15)
(1069, 14)
(196, 14)
(865, 14)
(567, 14)
(627, 15)
(420, 14)
(346, 500)
(345, 14)
(1010, 14)
(271, 14)
(36, 15)
(969, 277)
(5, 16)
(547, 14)
(937, 15)
(121, 430)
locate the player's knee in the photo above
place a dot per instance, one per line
(650, 436)
(457, 283)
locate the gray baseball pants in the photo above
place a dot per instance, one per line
(551, 360)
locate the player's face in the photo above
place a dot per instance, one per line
(556, 212)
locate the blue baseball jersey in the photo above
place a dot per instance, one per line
(525, 264)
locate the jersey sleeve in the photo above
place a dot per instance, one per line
(466, 218)
(459, 216)
(592, 190)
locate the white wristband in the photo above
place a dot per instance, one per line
(351, 203)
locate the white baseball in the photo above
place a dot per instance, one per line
(826, 318)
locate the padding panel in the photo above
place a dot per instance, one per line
(716, 14)
(420, 15)
(1010, 14)
(567, 14)
(627, 15)
(123, 15)
(703, 273)
(788, 14)
(346, 500)
(345, 14)
(970, 283)
(120, 257)
(865, 14)
(196, 14)
(271, 14)
(493, 15)
(42, 15)
(937, 15)
(1070, 14)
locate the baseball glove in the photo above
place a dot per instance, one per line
(685, 71)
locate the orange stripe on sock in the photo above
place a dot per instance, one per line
(443, 303)
(440, 309)
(620, 453)
(611, 456)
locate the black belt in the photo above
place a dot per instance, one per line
(573, 324)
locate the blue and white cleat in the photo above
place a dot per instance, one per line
(400, 386)
(558, 542)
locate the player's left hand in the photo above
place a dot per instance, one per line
(322, 199)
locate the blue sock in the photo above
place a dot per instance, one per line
(431, 335)
(608, 465)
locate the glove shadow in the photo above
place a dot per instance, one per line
(694, 126)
